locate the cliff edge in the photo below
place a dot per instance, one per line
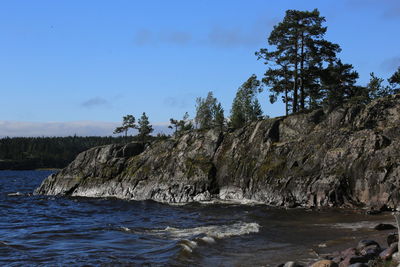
(347, 157)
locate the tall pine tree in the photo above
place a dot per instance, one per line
(296, 63)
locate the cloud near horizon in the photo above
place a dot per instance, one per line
(79, 128)
(96, 102)
(391, 64)
(220, 36)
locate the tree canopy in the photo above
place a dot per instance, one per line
(245, 106)
(298, 59)
(144, 127)
(128, 122)
(209, 112)
(181, 125)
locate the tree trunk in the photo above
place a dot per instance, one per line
(302, 96)
(296, 76)
(286, 102)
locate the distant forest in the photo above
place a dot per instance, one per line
(27, 153)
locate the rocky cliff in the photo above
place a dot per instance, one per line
(346, 157)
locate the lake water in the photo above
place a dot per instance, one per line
(69, 231)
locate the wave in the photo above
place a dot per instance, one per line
(15, 194)
(243, 201)
(356, 225)
(213, 231)
(190, 238)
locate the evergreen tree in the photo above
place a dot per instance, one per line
(128, 122)
(181, 125)
(376, 88)
(218, 114)
(338, 81)
(209, 113)
(144, 127)
(245, 106)
(298, 59)
(394, 81)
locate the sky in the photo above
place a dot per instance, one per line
(76, 67)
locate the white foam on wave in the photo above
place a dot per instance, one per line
(244, 201)
(212, 231)
(208, 239)
(15, 194)
(355, 226)
(188, 245)
(205, 234)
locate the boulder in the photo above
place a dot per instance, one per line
(324, 263)
(352, 259)
(388, 253)
(384, 226)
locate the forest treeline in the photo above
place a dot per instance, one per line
(27, 153)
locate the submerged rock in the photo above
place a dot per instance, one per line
(348, 157)
(384, 226)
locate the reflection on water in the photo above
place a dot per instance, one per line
(47, 230)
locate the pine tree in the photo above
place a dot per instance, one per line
(298, 59)
(338, 82)
(245, 106)
(144, 127)
(376, 88)
(219, 119)
(181, 125)
(209, 113)
(128, 122)
(394, 81)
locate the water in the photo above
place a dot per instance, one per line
(64, 231)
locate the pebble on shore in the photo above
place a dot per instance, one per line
(367, 253)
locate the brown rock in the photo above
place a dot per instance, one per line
(325, 263)
(388, 253)
(353, 259)
(348, 252)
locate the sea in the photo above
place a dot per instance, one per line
(76, 231)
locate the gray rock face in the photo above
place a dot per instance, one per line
(348, 157)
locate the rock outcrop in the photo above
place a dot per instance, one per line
(347, 157)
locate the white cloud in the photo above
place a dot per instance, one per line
(80, 128)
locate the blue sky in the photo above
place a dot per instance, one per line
(88, 63)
